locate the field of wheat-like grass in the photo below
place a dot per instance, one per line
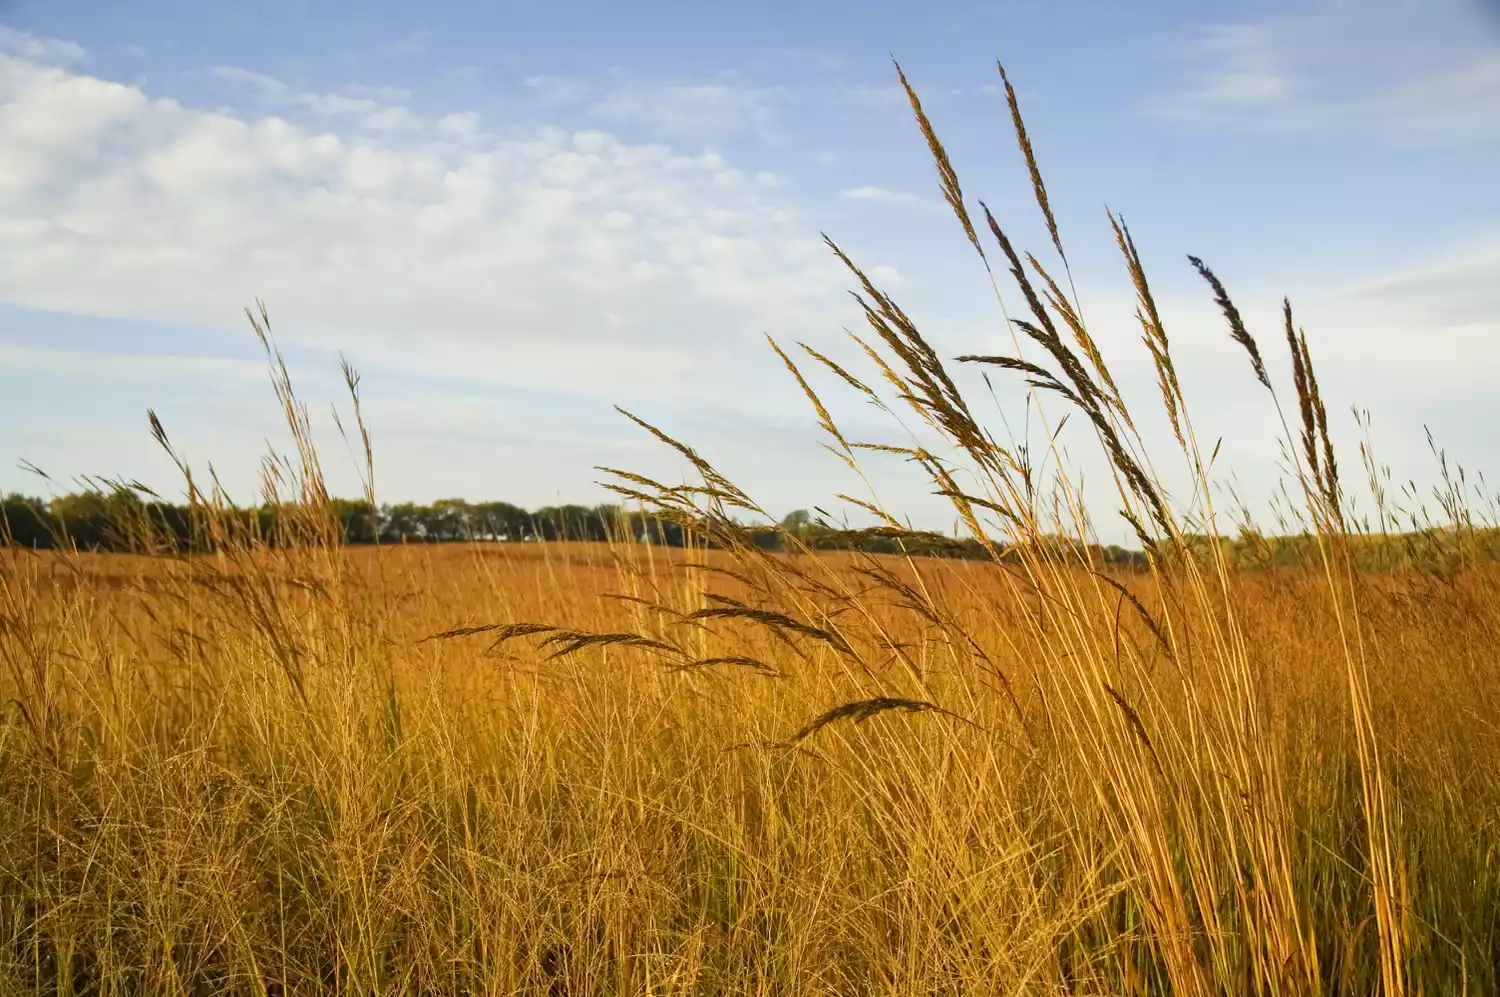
(259, 777)
(278, 765)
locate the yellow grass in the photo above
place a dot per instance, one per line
(436, 817)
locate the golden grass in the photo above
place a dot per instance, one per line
(624, 769)
(455, 816)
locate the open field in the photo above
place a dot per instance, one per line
(251, 775)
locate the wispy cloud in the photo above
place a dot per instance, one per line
(1463, 289)
(880, 195)
(696, 111)
(727, 106)
(1463, 103)
(135, 367)
(1239, 69)
(1343, 68)
(376, 108)
(51, 50)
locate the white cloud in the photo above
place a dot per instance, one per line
(378, 109)
(51, 50)
(267, 86)
(569, 269)
(512, 259)
(551, 261)
(462, 123)
(391, 119)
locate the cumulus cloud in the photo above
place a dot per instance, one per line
(442, 247)
(542, 275)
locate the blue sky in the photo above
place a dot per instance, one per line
(511, 217)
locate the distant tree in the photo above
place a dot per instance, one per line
(26, 522)
(799, 523)
(82, 518)
(171, 526)
(404, 521)
(656, 530)
(1118, 557)
(110, 519)
(357, 519)
(450, 519)
(500, 521)
(576, 522)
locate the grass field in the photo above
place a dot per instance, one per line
(230, 781)
(627, 769)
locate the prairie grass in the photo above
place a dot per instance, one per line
(627, 769)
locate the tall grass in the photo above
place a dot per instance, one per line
(625, 769)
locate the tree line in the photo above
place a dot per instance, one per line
(113, 520)
(121, 520)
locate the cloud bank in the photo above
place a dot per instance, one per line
(437, 245)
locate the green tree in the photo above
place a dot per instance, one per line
(82, 518)
(403, 521)
(26, 522)
(357, 519)
(450, 519)
(799, 523)
(499, 521)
